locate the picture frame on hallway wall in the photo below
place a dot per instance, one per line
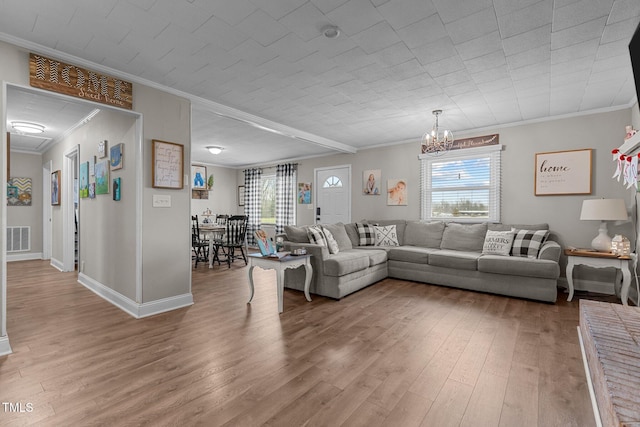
(167, 169)
(117, 156)
(240, 195)
(102, 177)
(563, 172)
(198, 177)
(55, 188)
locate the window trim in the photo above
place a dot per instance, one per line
(275, 179)
(495, 188)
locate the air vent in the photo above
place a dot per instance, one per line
(18, 239)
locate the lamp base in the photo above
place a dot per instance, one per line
(602, 242)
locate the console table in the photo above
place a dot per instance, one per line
(609, 337)
(280, 265)
(599, 260)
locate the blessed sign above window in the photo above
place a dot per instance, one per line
(57, 76)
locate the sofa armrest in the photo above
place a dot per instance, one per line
(550, 250)
(320, 252)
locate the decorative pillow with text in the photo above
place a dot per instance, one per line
(498, 242)
(386, 235)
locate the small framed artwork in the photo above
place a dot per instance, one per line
(102, 177)
(371, 181)
(116, 156)
(92, 190)
(304, 193)
(92, 165)
(167, 168)
(19, 191)
(84, 180)
(563, 173)
(396, 192)
(198, 177)
(241, 195)
(55, 188)
(102, 149)
(117, 184)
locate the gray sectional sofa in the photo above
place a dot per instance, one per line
(439, 253)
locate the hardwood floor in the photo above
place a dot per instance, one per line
(396, 353)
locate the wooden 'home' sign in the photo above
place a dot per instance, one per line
(57, 76)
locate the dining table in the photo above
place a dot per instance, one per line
(212, 232)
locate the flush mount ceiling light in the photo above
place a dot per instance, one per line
(437, 142)
(215, 149)
(330, 31)
(27, 127)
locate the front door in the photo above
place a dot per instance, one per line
(333, 195)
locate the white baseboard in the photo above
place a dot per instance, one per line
(5, 348)
(57, 264)
(131, 307)
(24, 256)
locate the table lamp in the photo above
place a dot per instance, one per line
(603, 210)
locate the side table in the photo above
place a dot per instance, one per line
(599, 260)
(280, 265)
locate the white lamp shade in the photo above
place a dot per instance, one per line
(603, 210)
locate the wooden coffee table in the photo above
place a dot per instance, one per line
(280, 265)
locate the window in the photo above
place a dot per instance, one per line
(268, 197)
(332, 182)
(462, 186)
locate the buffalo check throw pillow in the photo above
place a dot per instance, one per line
(386, 235)
(316, 235)
(367, 233)
(527, 243)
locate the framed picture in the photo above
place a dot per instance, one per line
(55, 188)
(116, 156)
(116, 188)
(167, 164)
(84, 180)
(102, 149)
(396, 192)
(198, 177)
(304, 193)
(92, 190)
(563, 173)
(102, 177)
(241, 195)
(19, 192)
(371, 182)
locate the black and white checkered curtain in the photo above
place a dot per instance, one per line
(252, 202)
(285, 196)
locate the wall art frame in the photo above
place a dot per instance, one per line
(559, 173)
(167, 169)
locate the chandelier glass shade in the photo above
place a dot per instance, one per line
(437, 141)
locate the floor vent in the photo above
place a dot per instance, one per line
(18, 239)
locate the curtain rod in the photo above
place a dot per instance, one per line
(270, 166)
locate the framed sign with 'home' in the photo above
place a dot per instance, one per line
(57, 76)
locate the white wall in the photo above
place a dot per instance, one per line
(28, 166)
(223, 196)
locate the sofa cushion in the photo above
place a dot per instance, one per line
(463, 237)
(340, 234)
(345, 262)
(527, 243)
(316, 235)
(498, 242)
(519, 266)
(425, 234)
(461, 260)
(399, 223)
(331, 241)
(352, 232)
(367, 233)
(376, 257)
(413, 254)
(296, 234)
(386, 235)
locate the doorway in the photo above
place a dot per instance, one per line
(333, 195)
(70, 217)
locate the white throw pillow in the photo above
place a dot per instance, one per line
(386, 235)
(316, 235)
(498, 242)
(331, 241)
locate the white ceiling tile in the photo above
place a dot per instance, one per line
(252, 52)
(471, 27)
(376, 37)
(480, 46)
(454, 77)
(535, 16)
(528, 40)
(331, 47)
(486, 62)
(219, 33)
(400, 13)
(534, 107)
(394, 55)
(290, 47)
(493, 74)
(327, 6)
(435, 51)
(506, 7)
(306, 21)
(586, 49)
(530, 57)
(145, 24)
(579, 13)
(186, 15)
(620, 31)
(423, 32)
(262, 28)
(451, 11)
(355, 16)
(623, 10)
(278, 9)
(231, 12)
(591, 30)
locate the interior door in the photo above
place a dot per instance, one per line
(333, 194)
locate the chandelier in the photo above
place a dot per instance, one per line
(437, 142)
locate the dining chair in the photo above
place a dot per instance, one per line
(235, 238)
(199, 246)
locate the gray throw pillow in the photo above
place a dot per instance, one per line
(424, 234)
(464, 237)
(296, 234)
(339, 232)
